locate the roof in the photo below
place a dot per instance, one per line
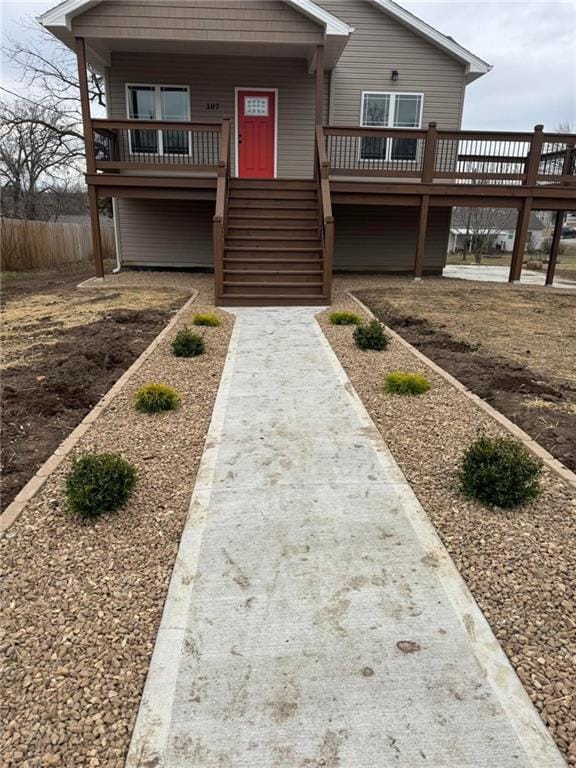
(506, 220)
(475, 66)
(61, 17)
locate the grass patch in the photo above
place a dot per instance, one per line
(186, 343)
(499, 472)
(401, 383)
(344, 318)
(206, 319)
(155, 398)
(98, 483)
(371, 336)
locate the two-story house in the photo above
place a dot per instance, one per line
(275, 141)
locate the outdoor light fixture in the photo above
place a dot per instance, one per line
(394, 75)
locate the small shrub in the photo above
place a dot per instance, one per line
(187, 343)
(499, 472)
(99, 482)
(207, 319)
(371, 336)
(344, 318)
(400, 383)
(154, 398)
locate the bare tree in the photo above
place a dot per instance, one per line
(50, 69)
(39, 160)
(481, 226)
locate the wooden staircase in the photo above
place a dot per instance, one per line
(273, 249)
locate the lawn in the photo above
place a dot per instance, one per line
(62, 350)
(515, 347)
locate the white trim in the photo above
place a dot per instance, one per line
(393, 95)
(62, 14)
(476, 67)
(268, 90)
(158, 110)
(332, 24)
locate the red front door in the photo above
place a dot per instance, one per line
(256, 134)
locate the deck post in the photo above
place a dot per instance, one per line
(421, 237)
(319, 84)
(554, 247)
(85, 102)
(534, 155)
(520, 241)
(95, 226)
(430, 153)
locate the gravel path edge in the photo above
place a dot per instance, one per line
(29, 491)
(529, 443)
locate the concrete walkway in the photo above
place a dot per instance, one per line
(496, 274)
(314, 620)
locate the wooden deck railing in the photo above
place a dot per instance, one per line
(221, 211)
(325, 212)
(461, 157)
(156, 145)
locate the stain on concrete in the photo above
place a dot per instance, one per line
(408, 646)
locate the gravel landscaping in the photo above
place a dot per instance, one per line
(82, 600)
(520, 565)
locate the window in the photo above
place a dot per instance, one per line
(256, 106)
(390, 110)
(159, 102)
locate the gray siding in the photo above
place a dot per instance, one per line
(166, 233)
(266, 21)
(383, 238)
(380, 44)
(213, 79)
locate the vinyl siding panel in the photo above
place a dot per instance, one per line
(226, 20)
(382, 238)
(212, 79)
(165, 233)
(380, 44)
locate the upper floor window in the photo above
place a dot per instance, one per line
(159, 102)
(390, 110)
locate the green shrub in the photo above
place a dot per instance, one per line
(499, 472)
(206, 318)
(400, 383)
(371, 336)
(187, 343)
(99, 482)
(344, 318)
(153, 398)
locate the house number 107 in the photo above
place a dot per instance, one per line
(213, 106)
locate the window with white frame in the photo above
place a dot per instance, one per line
(390, 110)
(159, 102)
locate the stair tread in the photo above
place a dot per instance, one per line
(274, 249)
(260, 260)
(272, 296)
(272, 271)
(271, 284)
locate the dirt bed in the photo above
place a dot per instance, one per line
(515, 348)
(82, 601)
(62, 350)
(520, 565)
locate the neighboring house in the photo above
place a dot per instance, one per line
(282, 139)
(496, 230)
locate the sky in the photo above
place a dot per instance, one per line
(530, 43)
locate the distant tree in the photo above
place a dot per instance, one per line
(39, 160)
(481, 226)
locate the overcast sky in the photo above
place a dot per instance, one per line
(531, 45)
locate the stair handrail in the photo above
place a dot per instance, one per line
(221, 211)
(326, 216)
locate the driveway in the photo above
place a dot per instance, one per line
(314, 619)
(500, 275)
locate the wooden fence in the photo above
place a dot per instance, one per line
(29, 245)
